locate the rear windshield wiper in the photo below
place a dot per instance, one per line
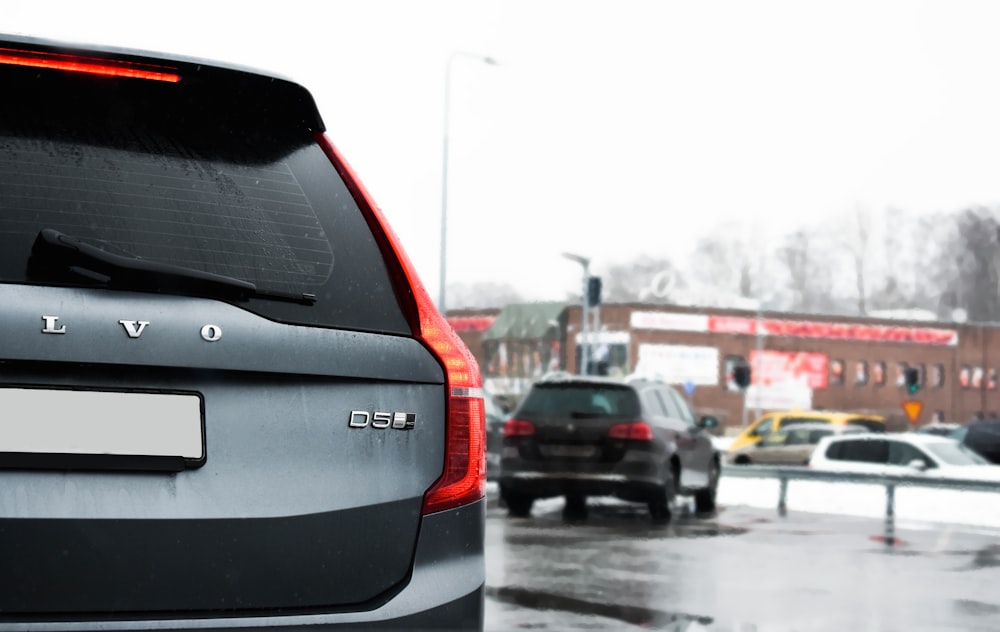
(55, 252)
(588, 414)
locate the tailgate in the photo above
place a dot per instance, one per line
(288, 505)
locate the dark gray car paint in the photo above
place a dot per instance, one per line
(436, 595)
(292, 508)
(173, 337)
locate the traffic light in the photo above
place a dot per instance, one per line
(741, 375)
(593, 291)
(911, 377)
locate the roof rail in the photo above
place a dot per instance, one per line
(645, 377)
(556, 376)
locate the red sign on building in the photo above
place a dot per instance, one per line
(833, 331)
(777, 367)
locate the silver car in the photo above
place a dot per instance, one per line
(792, 445)
(228, 401)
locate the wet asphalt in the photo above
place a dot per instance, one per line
(740, 569)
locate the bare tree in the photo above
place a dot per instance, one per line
(978, 284)
(634, 280)
(727, 261)
(858, 236)
(809, 261)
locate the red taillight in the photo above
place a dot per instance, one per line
(637, 431)
(89, 65)
(464, 478)
(518, 428)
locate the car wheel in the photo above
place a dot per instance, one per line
(704, 499)
(742, 460)
(575, 509)
(659, 503)
(518, 505)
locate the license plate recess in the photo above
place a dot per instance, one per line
(50, 428)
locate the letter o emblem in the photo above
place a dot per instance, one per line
(211, 333)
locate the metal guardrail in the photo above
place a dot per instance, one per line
(890, 481)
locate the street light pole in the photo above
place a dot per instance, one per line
(444, 168)
(585, 328)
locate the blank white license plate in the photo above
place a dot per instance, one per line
(55, 421)
(578, 451)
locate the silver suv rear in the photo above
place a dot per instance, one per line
(227, 399)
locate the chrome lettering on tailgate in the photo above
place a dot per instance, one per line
(381, 420)
(50, 325)
(133, 328)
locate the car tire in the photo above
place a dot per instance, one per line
(704, 499)
(518, 505)
(742, 460)
(659, 503)
(575, 509)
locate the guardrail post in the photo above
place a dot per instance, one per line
(782, 496)
(890, 514)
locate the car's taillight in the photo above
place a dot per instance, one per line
(464, 478)
(636, 431)
(518, 428)
(89, 65)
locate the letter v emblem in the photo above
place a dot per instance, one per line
(134, 327)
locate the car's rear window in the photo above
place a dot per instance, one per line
(260, 205)
(580, 400)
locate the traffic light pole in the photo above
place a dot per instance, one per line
(743, 417)
(597, 323)
(585, 333)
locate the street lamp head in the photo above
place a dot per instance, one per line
(584, 261)
(486, 59)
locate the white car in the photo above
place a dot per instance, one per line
(904, 453)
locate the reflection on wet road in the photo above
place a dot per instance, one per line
(741, 570)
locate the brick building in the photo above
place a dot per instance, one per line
(797, 360)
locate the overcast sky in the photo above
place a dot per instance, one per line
(610, 128)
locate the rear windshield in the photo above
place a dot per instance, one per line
(580, 400)
(259, 205)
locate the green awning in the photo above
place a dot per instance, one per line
(527, 321)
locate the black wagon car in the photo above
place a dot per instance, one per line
(983, 437)
(227, 400)
(580, 436)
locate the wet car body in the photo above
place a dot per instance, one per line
(777, 421)
(495, 418)
(224, 389)
(589, 436)
(793, 445)
(983, 437)
(902, 453)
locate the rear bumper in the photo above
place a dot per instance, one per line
(632, 478)
(445, 592)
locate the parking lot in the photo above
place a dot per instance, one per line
(744, 569)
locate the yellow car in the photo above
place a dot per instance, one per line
(773, 422)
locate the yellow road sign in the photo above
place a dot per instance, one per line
(912, 408)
